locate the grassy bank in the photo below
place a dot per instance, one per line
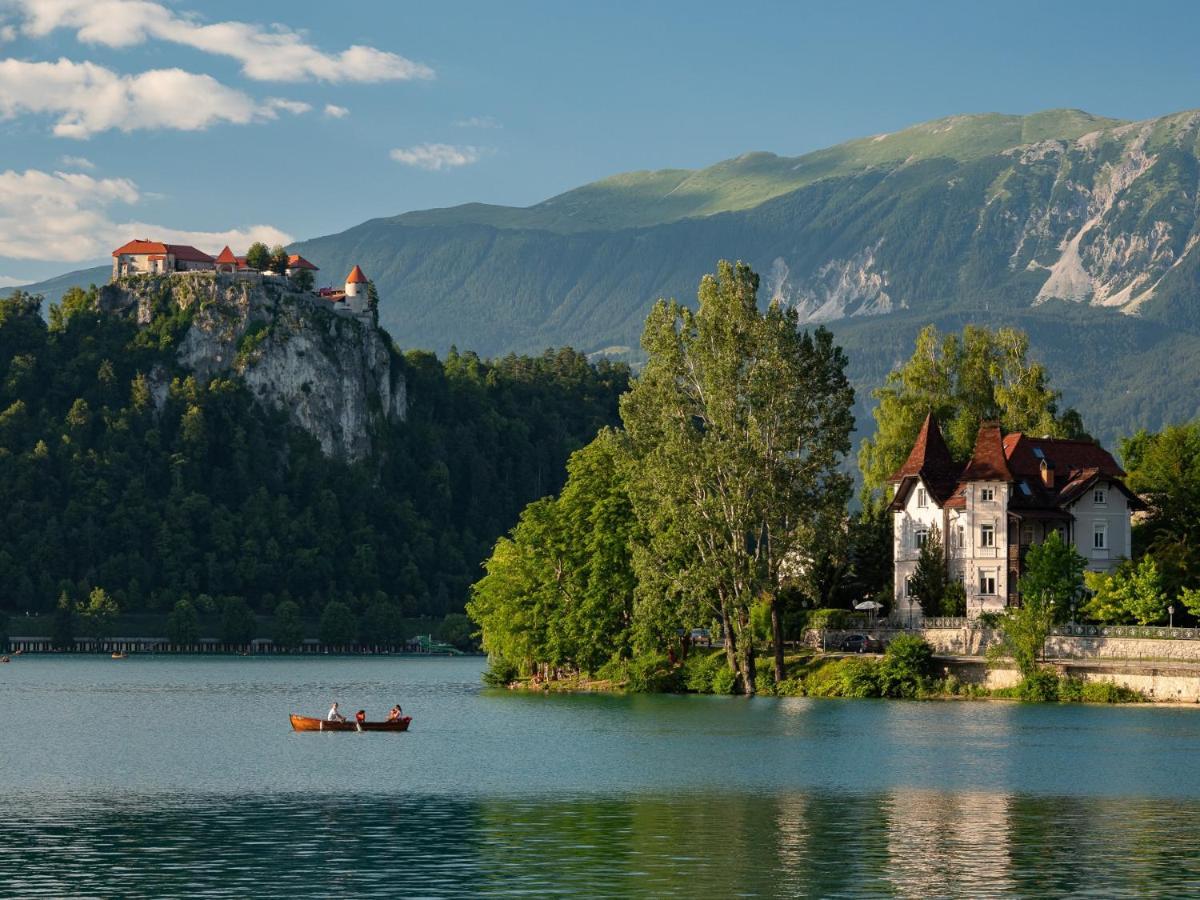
(905, 671)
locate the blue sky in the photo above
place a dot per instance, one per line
(214, 121)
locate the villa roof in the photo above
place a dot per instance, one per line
(1025, 455)
(929, 459)
(987, 461)
(296, 261)
(356, 276)
(226, 257)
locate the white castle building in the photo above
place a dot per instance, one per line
(1012, 492)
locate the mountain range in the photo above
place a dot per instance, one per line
(1080, 229)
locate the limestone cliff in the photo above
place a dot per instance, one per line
(333, 374)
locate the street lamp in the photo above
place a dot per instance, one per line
(1171, 614)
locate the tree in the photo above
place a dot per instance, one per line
(373, 302)
(1164, 469)
(237, 622)
(382, 624)
(183, 624)
(1132, 593)
(954, 601)
(962, 380)
(100, 614)
(4, 630)
(737, 427)
(302, 279)
(63, 627)
(258, 256)
(930, 579)
(1052, 582)
(288, 626)
(338, 626)
(278, 261)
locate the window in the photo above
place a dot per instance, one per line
(921, 537)
(987, 494)
(962, 537)
(1099, 497)
(987, 535)
(1027, 533)
(1025, 490)
(1100, 536)
(922, 500)
(987, 581)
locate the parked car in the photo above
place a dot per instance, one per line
(860, 643)
(700, 636)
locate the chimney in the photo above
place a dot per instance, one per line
(1047, 474)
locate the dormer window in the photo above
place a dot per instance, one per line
(987, 494)
(1100, 497)
(922, 499)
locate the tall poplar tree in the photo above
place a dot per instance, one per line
(737, 426)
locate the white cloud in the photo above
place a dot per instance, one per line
(435, 157)
(67, 217)
(7, 281)
(88, 98)
(266, 54)
(478, 122)
(333, 111)
(7, 33)
(295, 107)
(77, 162)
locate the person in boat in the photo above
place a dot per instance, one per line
(334, 715)
(360, 716)
(396, 714)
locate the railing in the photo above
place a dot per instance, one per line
(945, 622)
(1155, 632)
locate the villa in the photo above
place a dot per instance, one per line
(1013, 491)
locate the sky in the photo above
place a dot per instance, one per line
(212, 122)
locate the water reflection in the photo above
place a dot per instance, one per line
(900, 843)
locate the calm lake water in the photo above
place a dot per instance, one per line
(181, 776)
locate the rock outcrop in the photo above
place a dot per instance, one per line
(334, 374)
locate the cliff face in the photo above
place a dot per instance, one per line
(333, 374)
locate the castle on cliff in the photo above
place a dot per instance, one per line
(143, 256)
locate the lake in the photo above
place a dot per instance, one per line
(181, 776)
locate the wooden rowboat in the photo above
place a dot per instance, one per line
(307, 723)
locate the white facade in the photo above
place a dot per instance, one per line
(913, 524)
(1101, 528)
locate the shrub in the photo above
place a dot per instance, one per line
(723, 681)
(906, 667)
(790, 687)
(701, 670)
(653, 674)
(1076, 690)
(1039, 685)
(764, 676)
(831, 619)
(843, 678)
(500, 673)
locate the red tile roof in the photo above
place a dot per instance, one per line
(930, 461)
(296, 261)
(1064, 455)
(987, 461)
(143, 246)
(356, 276)
(226, 257)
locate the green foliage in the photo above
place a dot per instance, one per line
(652, 673)
(183, 623)
(1131, 593)
(1038, 684)
(500, 673)
(831, 619)
(457, 630)
(237, 622)
(258, 256)
(906, 667)
(99, 614)
(954, 601)
(62, 635)
(1165, 469)
(703, 672)
(206, 492)
(559, 590)
(382, 623)
(736, 426)
(4, 631)
(847, 677)
(338, 626)
(1189, 598)
(1076, 690)
(288, 626)
(278, 260)
(962, 380)
(302, 280)
(930, 580)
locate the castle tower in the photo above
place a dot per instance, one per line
(226, 262)
(356, 291)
